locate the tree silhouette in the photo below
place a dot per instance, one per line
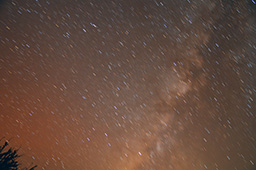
(9, 158)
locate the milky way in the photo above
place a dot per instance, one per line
(129, 85)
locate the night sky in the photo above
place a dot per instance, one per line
(129, 84)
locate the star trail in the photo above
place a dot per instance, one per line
(129, 84)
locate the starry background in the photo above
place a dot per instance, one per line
(117, 84)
